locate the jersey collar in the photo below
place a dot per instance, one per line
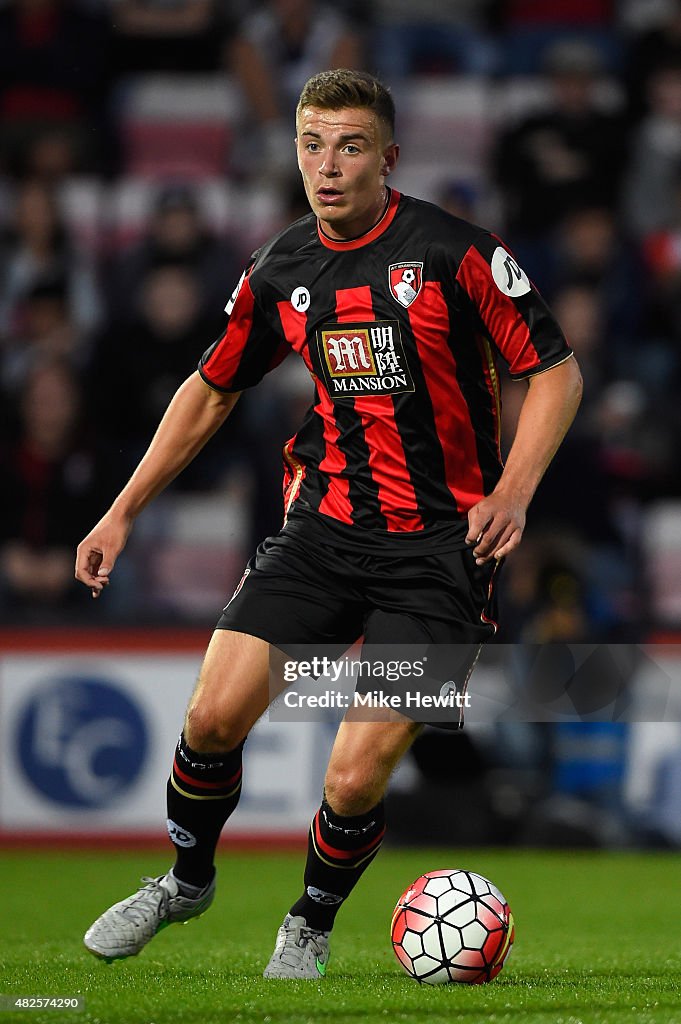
(342, 245)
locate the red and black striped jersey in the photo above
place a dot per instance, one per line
(400, 330)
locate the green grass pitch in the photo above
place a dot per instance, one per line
(598, 939)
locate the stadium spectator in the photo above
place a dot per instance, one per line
(274, 51)
(638, 459)
(178, 235)
(580, 303)
(560, 511)
(590, 246)
(46, 330)
(147, 357)
(654, 170)
(50, 156)
(655, 48)
(570, 154)
(451, 38)
(49, 469)
(37, 246)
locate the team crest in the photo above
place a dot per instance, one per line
(405, 280)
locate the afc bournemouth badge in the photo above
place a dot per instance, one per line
(405, 280)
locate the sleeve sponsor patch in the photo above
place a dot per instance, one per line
(508, 276)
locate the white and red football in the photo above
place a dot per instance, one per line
(452, 926)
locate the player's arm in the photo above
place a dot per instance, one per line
(193, 416)
(496, 524)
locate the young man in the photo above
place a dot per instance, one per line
(397, 506)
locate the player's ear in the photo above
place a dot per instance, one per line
(391, 155)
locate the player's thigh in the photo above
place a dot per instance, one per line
(232, 692)
(366, 751)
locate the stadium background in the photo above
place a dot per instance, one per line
(145, 150)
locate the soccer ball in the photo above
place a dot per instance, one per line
(452, 925)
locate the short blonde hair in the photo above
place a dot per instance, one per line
(342, 87)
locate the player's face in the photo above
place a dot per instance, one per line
(344, 158)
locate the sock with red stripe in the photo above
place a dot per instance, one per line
(339, 850)
(202, 792)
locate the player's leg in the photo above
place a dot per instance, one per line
(205, 781)
(345, 836)
(434, 600)
(203, 791)
(348, 829)
(290, 593)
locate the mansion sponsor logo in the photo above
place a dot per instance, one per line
(364, 358)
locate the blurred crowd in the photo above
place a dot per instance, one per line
(146, 150)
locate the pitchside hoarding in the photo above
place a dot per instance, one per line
(86, 743)
(88, 726)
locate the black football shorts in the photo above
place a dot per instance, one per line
(320, 582)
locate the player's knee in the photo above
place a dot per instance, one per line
(352, 790)
(206, 731)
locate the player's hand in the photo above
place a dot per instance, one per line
(495, 526)
(97, 553)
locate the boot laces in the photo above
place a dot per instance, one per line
(302, 937)
(146, 900)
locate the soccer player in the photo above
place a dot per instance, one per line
(398, 508)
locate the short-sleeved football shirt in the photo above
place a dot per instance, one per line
(401, 330)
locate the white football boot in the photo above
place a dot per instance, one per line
(124, 929)
(300, 952)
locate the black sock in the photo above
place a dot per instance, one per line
(202, 792)
(339, 850)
